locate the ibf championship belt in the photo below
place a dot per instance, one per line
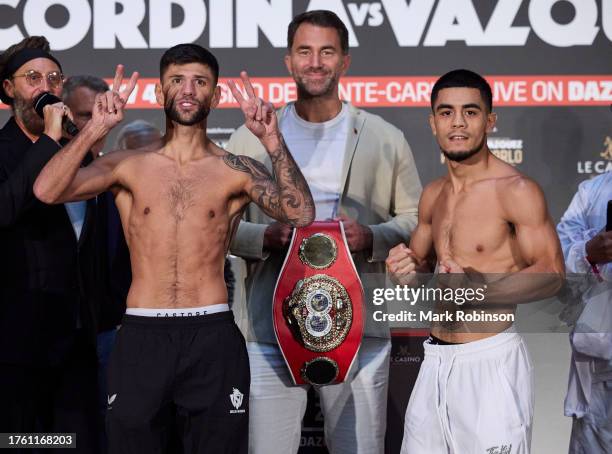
(318, 305)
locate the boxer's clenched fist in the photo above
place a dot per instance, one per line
(402, 265)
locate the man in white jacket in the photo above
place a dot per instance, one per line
(360, 169)
(587, 249)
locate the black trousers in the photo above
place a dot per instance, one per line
(53, 398)
(178, 378)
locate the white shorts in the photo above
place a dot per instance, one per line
(474, 398)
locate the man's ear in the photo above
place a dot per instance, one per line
(491, 121)
(216, 97)
(159, 94)
(432, 124)
(288, 64)
(346, 63)
(9, 88)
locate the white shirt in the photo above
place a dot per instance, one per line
(584, 218)
(591, 348)
(318, 150)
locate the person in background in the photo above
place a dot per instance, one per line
(138, 134)
(112, 258)
(587, 248)
(360, 170)
(47, 276)
(78, 94)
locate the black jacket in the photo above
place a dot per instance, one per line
(44, 272)
(114, 259)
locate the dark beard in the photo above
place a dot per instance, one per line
(197, 117)
(24, 110)
(460, 156)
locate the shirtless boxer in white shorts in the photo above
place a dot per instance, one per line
(474, 392)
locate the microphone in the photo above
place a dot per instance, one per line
(44, 99)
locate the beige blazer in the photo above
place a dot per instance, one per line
(381, 189)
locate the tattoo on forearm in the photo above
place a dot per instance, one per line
(285, 195)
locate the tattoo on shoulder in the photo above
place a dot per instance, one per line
(235, 162)
(246, 164)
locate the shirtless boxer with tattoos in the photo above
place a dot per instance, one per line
(180, 360)
(474, 392)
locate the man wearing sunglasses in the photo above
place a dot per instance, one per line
(47, 334)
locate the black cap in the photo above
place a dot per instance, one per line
(20, 58)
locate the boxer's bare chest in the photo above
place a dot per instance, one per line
(196, 196)
(468, 226)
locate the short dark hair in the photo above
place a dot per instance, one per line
(460, 78)
(139, 129)
(181, 54)
(94, 83)
(320, 18)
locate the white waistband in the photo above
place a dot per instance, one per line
(177, 312)
(447, 352)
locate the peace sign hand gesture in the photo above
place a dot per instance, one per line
(259, 115)
(108, 106)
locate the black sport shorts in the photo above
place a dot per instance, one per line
(178, 381)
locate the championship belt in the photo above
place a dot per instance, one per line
(318, 305)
